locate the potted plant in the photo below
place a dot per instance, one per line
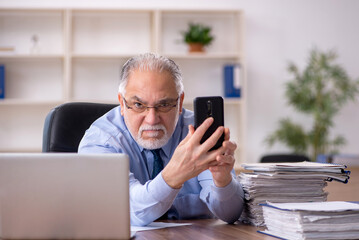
(197, 37)
(319, 91)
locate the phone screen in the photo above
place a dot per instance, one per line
(205, 107)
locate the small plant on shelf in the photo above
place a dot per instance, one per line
(197, 37)
(319, 91)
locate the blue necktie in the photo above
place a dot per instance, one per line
(157, 163)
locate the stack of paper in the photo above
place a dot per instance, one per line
(285, 183)
(324, 220)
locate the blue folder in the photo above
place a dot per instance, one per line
(2, 81)
(232, 80)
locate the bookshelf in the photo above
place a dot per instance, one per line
(79, 53)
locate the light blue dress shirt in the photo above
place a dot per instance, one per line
(150, 199)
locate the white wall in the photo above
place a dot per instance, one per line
(277, 31)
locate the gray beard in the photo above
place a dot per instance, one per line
(157, 143)
(153, 143)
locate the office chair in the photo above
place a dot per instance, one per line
(66, 124)
(273, 158)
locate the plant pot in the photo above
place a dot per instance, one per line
(196, 47)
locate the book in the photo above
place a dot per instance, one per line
(2, 81)
(232, 80)
(312, 220)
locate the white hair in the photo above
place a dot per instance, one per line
(152, 62)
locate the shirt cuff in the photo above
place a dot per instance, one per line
(161, 191)
(225, 193)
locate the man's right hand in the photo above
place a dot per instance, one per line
(191, 157)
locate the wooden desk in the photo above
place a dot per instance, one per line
(207, 229)
(345, 192)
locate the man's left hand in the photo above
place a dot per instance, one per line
(221, 172)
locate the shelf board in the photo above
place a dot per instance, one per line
(20, 150)
(202, 55)
(227, 101)
(202, 11)
(233, 101)
(95, 101)
(170, 55)
(102, 56)
(31, 102)
(27, 102)
(31, 56)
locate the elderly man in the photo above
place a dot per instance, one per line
(172, 175)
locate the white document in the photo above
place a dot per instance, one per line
(295, 166)
(333, 206)
(157, 225)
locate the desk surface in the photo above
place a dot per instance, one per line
(204, 229)
(345, 192)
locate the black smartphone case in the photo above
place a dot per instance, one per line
(205, 107)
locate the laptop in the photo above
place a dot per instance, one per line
(64, 196)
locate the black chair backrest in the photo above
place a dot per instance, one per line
(66, 124)
(284, 158)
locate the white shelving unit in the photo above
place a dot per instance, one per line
(80, 52)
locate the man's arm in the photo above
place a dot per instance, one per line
(148, 201)
(227, 194)
(227, 202)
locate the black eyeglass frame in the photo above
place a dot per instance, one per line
(157, 108)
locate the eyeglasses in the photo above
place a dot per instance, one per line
(160, 107)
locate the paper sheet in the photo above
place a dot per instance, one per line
(157, 225)
(317, 206)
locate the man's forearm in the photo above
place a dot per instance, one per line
(149, 201)
(225, 203)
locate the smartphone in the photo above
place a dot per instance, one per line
(205, 107)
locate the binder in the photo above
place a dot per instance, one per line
(232, 80)
(2, 81)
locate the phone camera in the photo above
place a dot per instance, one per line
(209, 108)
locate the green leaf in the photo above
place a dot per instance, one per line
(290, 134)
(198, 33)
